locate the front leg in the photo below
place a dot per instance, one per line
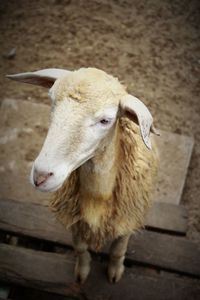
(117, 255)
(82, 267)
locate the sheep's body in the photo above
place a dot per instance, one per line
(94, 156)
(98, 216)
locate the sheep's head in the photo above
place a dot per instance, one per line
(85, 107)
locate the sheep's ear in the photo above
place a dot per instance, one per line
(132, 106)
(45, 78)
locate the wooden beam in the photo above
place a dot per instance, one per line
(167, 217)
(32, 219)
(38, 221)
(37, 269)
(140, 284)
(161, 250)
(54, 273)
(175, 152)
(165, 252)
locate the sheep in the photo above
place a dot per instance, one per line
(100, 165)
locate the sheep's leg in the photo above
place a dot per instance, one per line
(117, 254)
(82, 267)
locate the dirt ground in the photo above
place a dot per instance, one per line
(151, 46)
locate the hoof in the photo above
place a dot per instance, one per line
(115, 272)
(81, 273)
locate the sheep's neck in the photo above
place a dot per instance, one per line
(97, 176)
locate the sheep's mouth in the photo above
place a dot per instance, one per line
(49, 190)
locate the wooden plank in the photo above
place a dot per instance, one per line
(139, 285)
(167, 217)
(27, 293)
(37, 269)
(37, 220)
(151, 248)
(23, 126)
(33, 220)
(54, 273)
(23, 129)
(166, 252)
(175, 153)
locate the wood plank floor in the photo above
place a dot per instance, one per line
(54, 273)
(38, 221)
(151, 252)
(148, 247)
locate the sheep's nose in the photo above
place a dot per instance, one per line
(41, 177)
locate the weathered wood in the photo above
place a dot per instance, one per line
(28, 293)
(37, 269)
(38, 221)
(175, 153)
(151, 248)
(24, 126)
(165, 251)
(167, 217)
(140, 285)
(54, 273)
(33, 220)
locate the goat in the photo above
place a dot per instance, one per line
(96, 159)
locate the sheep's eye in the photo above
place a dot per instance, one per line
(104, 121)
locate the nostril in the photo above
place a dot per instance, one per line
(50, 174)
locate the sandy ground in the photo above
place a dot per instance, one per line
(152, 46)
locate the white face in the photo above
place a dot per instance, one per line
(76, 132)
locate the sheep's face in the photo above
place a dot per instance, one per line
(82, 121)
(74, 136)
(85, 106)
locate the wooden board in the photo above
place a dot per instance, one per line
(167, 217)
(54, 273)
(166, 252)
(33, 220)
(24, 125)
(38, 221)
(28, 293)
(25, 265)
(151, 248)
(175, 155)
